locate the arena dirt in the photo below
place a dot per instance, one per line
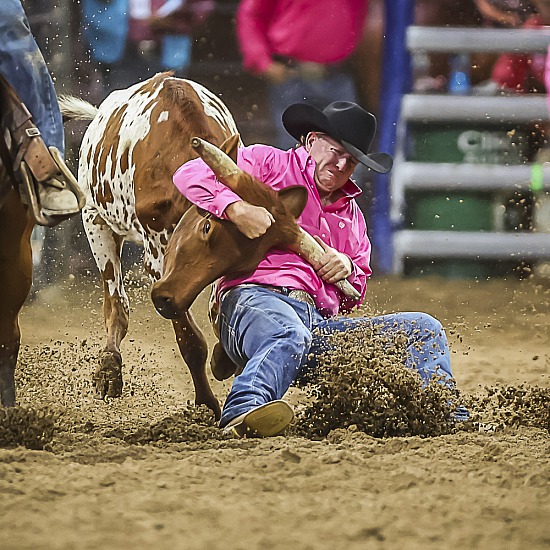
(383, 471)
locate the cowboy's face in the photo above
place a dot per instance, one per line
(334, 165)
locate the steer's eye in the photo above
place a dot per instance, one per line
(206, 227)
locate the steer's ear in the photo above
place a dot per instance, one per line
(230, 146)
(294, 198)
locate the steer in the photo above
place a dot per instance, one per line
(137, 139)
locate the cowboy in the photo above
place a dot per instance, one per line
(46, 184)
(271, 321)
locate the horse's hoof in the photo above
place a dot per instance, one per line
(8, 402)
(107, 385)
(7, 390)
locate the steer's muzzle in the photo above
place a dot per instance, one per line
(164, 305)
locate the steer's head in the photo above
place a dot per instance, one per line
(203, 247)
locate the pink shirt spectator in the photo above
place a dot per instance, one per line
(299, 29)
(341, 225)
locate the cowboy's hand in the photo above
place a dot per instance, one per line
(252, 221)
(332, 266)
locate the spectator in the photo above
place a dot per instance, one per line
(524, 72)
(504, 13)
(301, 47)
(433, 68)
(132, 40)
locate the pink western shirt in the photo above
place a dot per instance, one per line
(341, 225)
(319, 31)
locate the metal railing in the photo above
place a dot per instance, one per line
(517, 109)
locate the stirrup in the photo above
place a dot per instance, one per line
(30, 196)
(68, 177)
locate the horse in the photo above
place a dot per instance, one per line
(16, 225)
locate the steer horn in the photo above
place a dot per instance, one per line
(221, 164)
(311, 250)
(227, 171)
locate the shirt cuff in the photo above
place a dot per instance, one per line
(222, 201)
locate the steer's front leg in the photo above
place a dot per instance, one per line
(194, 351)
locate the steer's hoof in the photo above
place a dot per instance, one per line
(108, 377)
(213, 404)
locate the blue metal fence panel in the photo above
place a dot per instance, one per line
(396, 81)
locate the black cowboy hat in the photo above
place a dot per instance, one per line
(346, 122)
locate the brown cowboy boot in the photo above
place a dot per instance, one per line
(54, 194)
(222, 366)
(220, 363)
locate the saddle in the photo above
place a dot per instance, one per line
(34, 164)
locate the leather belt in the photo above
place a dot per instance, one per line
(308, 70)
(295, 294)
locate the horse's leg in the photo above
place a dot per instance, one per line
(15, 284)
(106, 248)
(194, 351)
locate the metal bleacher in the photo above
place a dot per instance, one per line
(520, 109)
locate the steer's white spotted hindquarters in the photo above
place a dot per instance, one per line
(134, 144)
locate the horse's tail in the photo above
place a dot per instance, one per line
(76, 108)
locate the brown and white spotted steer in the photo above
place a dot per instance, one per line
(136, 141)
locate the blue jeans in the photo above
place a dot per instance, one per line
(338, 86)
(23, 65)
(272, 338)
